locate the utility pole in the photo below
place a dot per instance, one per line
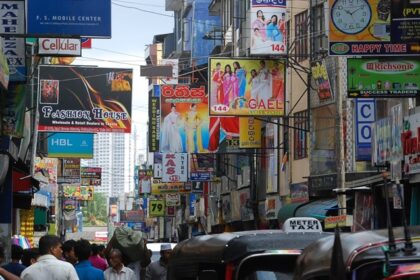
(341, 176)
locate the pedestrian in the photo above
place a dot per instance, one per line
(68, 251)
(157, 270)
(84, 268)
(145, 263)
(49, 265)
(15, 266)
(4, 274)
(30, 256)
(117, 270)
(96, 260)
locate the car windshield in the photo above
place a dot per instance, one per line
(268, 267)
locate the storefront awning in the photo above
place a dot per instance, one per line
(288, 211)
(317, 208)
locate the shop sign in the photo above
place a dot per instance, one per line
(90, 176)
(383, 77)
(159, 187)
(340, 221)
(322, 82)
(131, 215)
(365, 116)
(250, 133)
(59, 47)
(302, 224)
(175, 167)
(411, 144)
(156, 208)
(299, 193)
(374, 27)
(70, 145)
(323, 182)
(157, 165)
(381, 141)
(172, 199)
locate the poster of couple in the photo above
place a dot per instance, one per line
(268, 27)
(246, 87)
(184, 122)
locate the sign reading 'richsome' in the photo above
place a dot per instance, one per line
(84, 99)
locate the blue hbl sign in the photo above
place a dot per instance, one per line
(70, 145)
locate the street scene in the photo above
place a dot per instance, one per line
(210, 139)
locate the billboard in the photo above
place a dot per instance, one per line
(383, 77)
(69, 171)
(268, 27)
(250, 133)
(78, 192)
(322, 82)
(175, 167)
(70, 145)
(89, 18)
(84, 99)
(154, 119)
(373, 27)
(246, 87)
(184, 119)
(90, 176)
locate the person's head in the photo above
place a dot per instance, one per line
(115, 258)
(95, 249)
(173, 107)
(193, 107)
(17, 252)
(236, 65)
(262, 63)
(101, 249)
(165, 252)
(256, 31)
(260, 14)
(274, 19)
(228, 69)
(253, 73)
(82, 250)
(30, 256)
(218, 65)
(50, 244)
(68, 251)
(283, 16)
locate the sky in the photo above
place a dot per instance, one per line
(134, 23)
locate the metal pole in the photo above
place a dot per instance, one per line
(341, 176)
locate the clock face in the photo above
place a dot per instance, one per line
(351, 16)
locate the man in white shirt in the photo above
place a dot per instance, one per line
(49, 265)
(117, 270)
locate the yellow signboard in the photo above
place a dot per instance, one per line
(156, 208)
(158, 187)
(249, 133)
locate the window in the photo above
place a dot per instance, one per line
(300, 135)
(319, 38)
(301, 35)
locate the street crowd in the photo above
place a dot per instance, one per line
(80, 259)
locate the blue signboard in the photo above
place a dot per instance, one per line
(200, 176)
(71, 18)
(70, 145)
(365, 116)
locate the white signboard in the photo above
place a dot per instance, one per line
(174, 79)
(304, 224)
(59, 47)
(172, 199)
(174, 167)
(12, 15)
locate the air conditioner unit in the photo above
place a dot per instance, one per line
(246, 177)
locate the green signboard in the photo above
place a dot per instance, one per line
(383, 77)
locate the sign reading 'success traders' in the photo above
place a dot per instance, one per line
(84, 99)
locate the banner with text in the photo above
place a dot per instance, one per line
(249, 133)
(78, 192)
(70, 145)
(84, 99)
(90, 176)
(322, 82)
(175, 167)
(246, 87)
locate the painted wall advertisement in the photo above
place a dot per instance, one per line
(322, 82)
(410, 139)
(246, 87)
(365, 116)
(175, 167)
(12, 16)
(103, 99)
(184, 119)
(374, 27)
(268, 27)
(250, 133)
(383, 77)
(89, 18)
(70, 145)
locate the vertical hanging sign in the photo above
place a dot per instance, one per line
(175, 167)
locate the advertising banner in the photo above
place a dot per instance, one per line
(156, 208)
(367, 27)
(90, 176)
(365, 117)
(381, 141)
(410, 139)
(12, 16)
(159, 187)
(103, 98)
(78, 192)
(89, 18)
(172, 199)
(363, 212)
(405, 21)
(59, 47)
(13, 114)
(322, 82)
(246, 87)
(157, 165)
(299, 193)
(340, 221)
(154, 123)
(383, 77)
(249, 133)
(184, 119)
(70, 145)
(272, 206)
(224, 135)
(173, 80)
(247, 212)
(45, 170)
(175, 167)
(268, 27)
(69, 171)
(397, 155)
(145, 176)
(132, 216)
(201, 167)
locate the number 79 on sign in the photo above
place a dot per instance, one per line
(157, 208)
